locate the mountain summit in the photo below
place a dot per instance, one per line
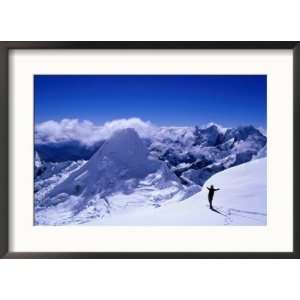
(124, 152)
(120, 166)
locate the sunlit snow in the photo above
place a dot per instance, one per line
(157, 181)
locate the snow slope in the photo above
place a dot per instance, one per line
(242, 200)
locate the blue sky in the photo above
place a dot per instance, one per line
(178, 100)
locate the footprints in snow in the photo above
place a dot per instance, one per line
(231, 214)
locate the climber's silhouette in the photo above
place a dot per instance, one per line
(211, 195)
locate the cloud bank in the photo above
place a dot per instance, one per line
(86, 132)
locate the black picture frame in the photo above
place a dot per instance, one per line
(5, 47)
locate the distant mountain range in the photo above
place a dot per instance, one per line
(193, 153)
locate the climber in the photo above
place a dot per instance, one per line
(211, 195)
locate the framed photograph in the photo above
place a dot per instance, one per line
(149, 149)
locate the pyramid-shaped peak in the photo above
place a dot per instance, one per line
(122, 157)
(125, 134)
(125, 146)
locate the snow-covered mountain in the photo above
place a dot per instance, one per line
(193, 153)
(120, 175)
(133, 167)
(197, 153)
(241, 200)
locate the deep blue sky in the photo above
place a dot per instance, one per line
(179, 100)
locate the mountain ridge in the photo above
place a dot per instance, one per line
(195, 154)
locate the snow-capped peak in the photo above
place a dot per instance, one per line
(121, 158)
(119, 175)
(220, 128)
(124, 147)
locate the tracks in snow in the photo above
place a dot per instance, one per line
(233, 215)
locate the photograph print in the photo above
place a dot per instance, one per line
(150, 150)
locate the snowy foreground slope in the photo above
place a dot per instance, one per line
(242, 200)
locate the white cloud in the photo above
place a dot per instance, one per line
(87, 132)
